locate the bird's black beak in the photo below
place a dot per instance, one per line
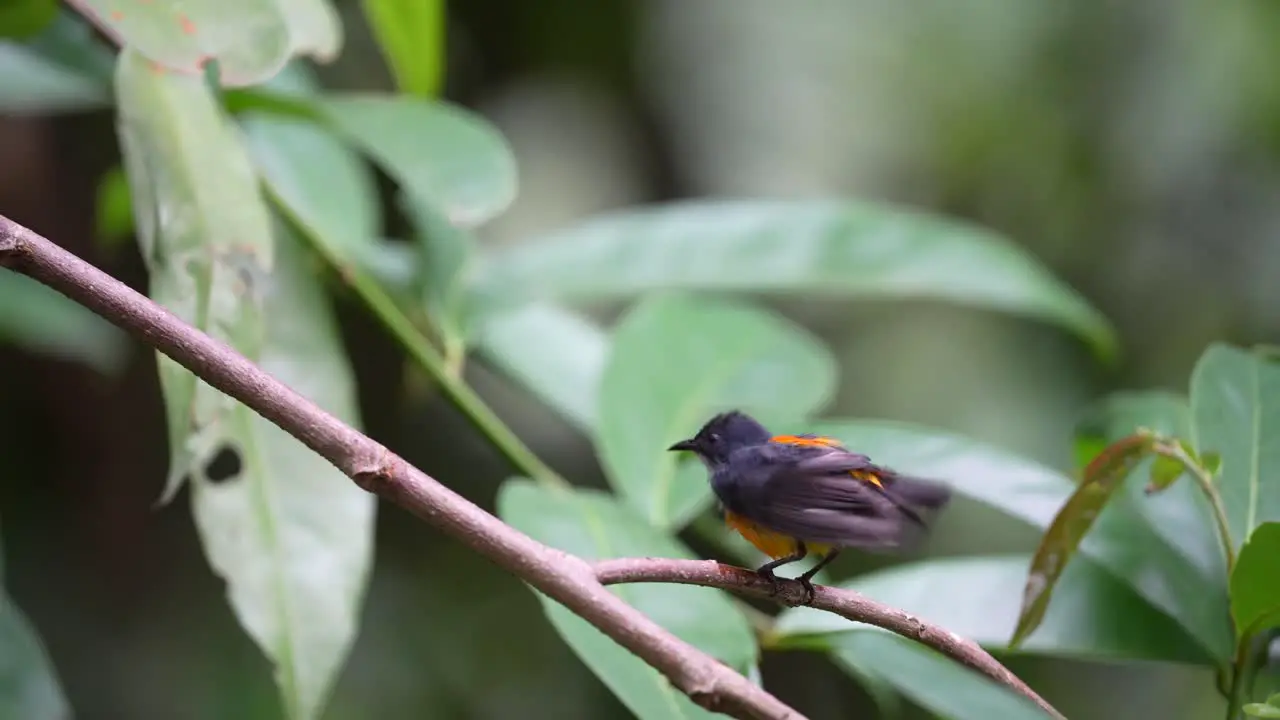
(682, 445)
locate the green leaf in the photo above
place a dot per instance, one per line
(1120, 542)
(1255, 583)
(558, 355)
(315, 28)
(836, 248)
(411, 35)
(290, 534)
(1165, 471)
(325, 187)
(62, 69)
(1094, 614)
(29, 687)
(1069, 527)
(675, 361)
(39, 319)
(1211, 462)
(594, 526)
(1235, 403)
(1260, 710)
(250, 39)
(22, 19)
(446, 157)
(938, 684)
(113, 208)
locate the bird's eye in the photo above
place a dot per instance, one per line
(715, 437)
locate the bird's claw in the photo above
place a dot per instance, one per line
(809, 592)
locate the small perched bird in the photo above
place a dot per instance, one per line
(790, 495)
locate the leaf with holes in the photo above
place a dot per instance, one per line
(291, 535)
(1235, 409)
(1119, 542)
(594, 526)
(843, 249)
(676, 360)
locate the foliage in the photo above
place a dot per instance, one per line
(1219, 439)
(250, 184)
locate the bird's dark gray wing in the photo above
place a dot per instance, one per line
(813, 494)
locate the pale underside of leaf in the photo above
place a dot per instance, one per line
(290, 534)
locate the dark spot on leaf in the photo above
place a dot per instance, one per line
(224, 466)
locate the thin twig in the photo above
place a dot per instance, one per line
(563, 577)
(846, 603)
(1171, 448)
(444, 370)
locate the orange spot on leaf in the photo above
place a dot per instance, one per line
(116, 16)
(188, 27)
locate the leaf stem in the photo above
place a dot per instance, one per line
(1174, 450)
(415, 343)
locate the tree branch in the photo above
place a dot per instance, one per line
(563, 577)
(846, 603)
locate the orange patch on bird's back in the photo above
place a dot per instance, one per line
(805, 440)
(867, 477)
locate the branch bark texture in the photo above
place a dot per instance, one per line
(568, 579)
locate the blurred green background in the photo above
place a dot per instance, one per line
(1134, 148)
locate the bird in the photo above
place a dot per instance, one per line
(790, 495)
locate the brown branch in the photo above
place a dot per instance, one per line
(846, 603)
(563, 577)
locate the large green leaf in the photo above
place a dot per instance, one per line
(22, 19)
(443, 156)
(29, 687)
(1255, 582)
(676, 360)
(557, 354)
(64, 68)
(36, 318)
(411, 35)
(290, 534)
(1235, 408)
(843, 249)
(1120, 542)
(1094, 615)
(251, 40)
(595, 526)
(938, 684)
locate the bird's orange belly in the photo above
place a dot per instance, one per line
(773, 544)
